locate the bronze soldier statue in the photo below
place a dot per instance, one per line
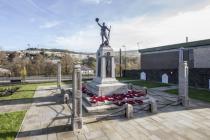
(104, 30)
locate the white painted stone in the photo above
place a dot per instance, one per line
(153, 105)
(107, 88)
(143, 76)
(165, 78)
(128, 111)
(66, 98)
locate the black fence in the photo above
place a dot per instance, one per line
(198, 77)
(40, 78)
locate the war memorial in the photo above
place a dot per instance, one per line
(107, 108)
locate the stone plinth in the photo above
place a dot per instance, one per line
(105, 82)
(108, 88)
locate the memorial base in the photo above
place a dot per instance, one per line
(106, 86)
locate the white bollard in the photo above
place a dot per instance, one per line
(128, 111)
(66, 98)
(153, 105)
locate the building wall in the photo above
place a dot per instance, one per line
(163, 60)
(201, 57)
(198, 77)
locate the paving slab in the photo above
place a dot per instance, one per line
(48, 119)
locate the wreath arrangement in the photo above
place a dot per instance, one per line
(131, 97)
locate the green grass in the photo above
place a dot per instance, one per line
(199, 94)
(25, 90)
(125, 78)
(10, 124)
(148, 84)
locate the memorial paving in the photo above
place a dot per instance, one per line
(49, 119)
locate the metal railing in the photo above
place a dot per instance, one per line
(40, 78)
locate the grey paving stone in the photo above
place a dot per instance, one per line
(50, 121)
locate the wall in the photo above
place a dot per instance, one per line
(198, 77)
(201, 57)
(163, 60)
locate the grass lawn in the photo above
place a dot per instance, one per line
(147, 84)
(10, 124)
(25, 90)
(125, 78)
(199, 94)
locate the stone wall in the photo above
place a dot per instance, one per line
(201, 57)
(198, 77)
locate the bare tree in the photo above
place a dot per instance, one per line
(2, 56)
(67, 64)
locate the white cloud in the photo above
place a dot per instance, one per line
(50, 24)
(98, 1)
(87, 40)
(149, 31)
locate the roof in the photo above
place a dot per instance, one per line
(177, 46)
(83, 68)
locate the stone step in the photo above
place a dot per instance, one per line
(99, 108)
(85, 98)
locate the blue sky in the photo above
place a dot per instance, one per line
(69, 24)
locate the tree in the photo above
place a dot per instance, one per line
(67, 63)
(50, 69)
(90, 62)
(2, 57)
(12, 56)
(23, 73)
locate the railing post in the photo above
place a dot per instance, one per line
(59, 75)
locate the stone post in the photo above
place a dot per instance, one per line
(97, 57)
(153, 105)
(103, 67)
(181, 55)
(59, 75)
(128, 111)
(77, 99)
(183, 80)
(113, 67)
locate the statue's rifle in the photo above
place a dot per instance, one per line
(109, 33)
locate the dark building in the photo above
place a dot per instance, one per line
(161, 63)
(167, 57)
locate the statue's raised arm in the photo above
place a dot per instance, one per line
(104, 29)
(97, 20)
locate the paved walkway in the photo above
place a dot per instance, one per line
(164, 88)
(13, 105)
(48, 119)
